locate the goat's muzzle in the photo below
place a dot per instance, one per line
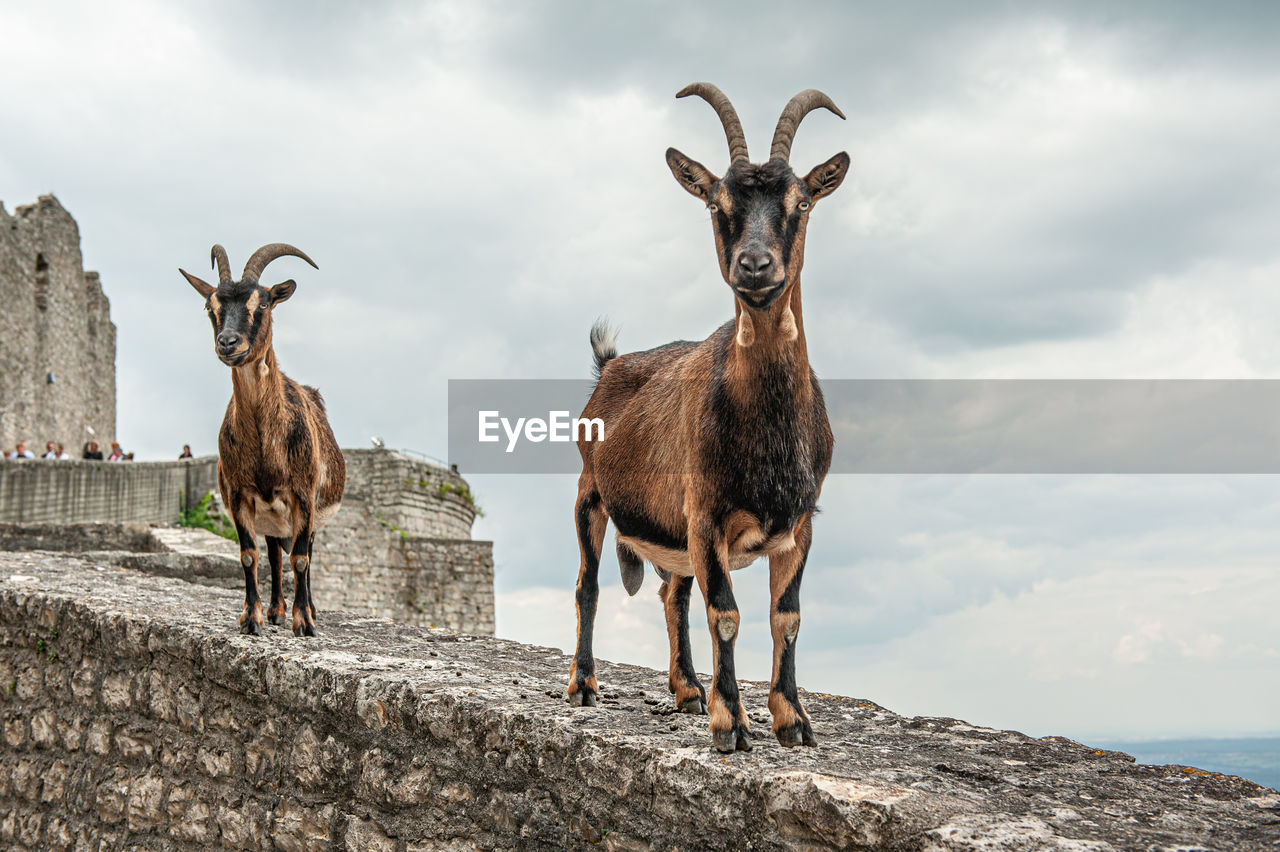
(753, 278)
(231, 348)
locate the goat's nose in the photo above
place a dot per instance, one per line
(755, 262)
(227, 339)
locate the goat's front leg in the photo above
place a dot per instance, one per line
(243, 518)
(690, 695)
(709, 553)
(278, 609)
(790, 722)
(591, 520)
(304, 622)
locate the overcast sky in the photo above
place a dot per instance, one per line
(1075, 190)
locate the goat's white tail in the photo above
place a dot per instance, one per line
(604, 344)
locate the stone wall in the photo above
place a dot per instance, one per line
(400, 547)
(56, 320)
(39, 491)
(134, 717)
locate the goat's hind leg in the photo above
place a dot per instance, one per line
(790, 722)
(279, 609)
(690, 695)
(591, 520)
(311, 601)
(304, 623)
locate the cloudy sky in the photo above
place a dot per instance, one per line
(1038, 191)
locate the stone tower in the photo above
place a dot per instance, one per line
(57, 341)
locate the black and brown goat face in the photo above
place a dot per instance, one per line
(759, 213)
(241, 318)
(240, 311)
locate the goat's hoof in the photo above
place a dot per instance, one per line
(734, 739)
(304, 630)
(584, 697)
(695, 706)
(797, 734)
(790, 736)
(276, 619)
(251, 628)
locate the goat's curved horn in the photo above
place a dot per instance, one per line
(728, 116)
(260, 258)
(797, 108)
(218, 260)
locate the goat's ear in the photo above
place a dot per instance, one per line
(200, 286)
(691, 174)
(282, 291)
(824, 179)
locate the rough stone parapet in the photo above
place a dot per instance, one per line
(39, 491)
(133, 716)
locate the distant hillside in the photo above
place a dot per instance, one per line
(1255, 758)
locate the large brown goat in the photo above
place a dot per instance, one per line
(279, 467)
(714, 453)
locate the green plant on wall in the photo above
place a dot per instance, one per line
(200, 518)
(388, 525)
(462, 491)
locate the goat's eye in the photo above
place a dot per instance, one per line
(803, 205)
(713, 207)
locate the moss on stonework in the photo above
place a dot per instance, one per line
(463, 491)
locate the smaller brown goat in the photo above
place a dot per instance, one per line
(279, 467)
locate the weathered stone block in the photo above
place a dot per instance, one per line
(215, 762)
(116, 691)
(44, 730)
(189, 816)
(146, 803)
(27, 780)
(57, 835)
(243, 826)
(134, 744)
(55, 783)
(30, 683)
(15, 731)
(28, 833)
(302, 829)
(365, 835)
(111, 799)
(71, 733)
(98, 740)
